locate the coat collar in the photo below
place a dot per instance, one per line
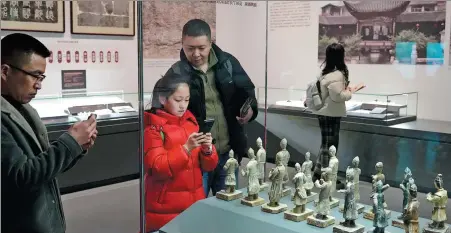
(160, 118)
(18, 118)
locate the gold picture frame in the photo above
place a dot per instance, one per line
(103, 17)
(36, 16)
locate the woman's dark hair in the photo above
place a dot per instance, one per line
(335, 60)
(165, 87)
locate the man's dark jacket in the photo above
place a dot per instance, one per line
(31, 200)
(234, 86)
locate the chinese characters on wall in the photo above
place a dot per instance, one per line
(30, 11)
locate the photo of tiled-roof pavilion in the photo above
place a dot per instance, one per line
(385, 32)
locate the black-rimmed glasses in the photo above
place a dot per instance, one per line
(38, 77)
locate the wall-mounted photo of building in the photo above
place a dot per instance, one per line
(385, 32)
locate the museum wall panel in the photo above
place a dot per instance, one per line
(237, 27)
(111, 60)
(300, 31)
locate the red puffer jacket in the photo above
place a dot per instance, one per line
(174, 177)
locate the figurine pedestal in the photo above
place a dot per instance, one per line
(311, 220)
(290, 215)
(360, 208)
(397, 223)
(286, 191)
(427, 229)
(312, 197)
(372, 230)
(229, 196)
(264, 186)
(274, 210)
(342, 229)
(334, 203)
(370, 215)
(256, 202)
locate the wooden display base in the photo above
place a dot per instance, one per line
(370, 215)
(264, 186)
(311, 220)
(286, 192)
(334, 203)
(342, 229)
(360, 208)
(256, 202)
(229, 196)
(397, 223)
(290, 215)
(312, 197)
(372, 230)
(446, 229)
(274, 210)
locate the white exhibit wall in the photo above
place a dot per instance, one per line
(292, 64)
(100, 77)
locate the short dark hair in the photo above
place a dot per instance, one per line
(18, 47)
(196, 27)
(166, 86)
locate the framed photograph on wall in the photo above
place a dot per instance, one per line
(38, 16)
(103, 17)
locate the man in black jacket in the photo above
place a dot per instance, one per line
(31, 200)
(219, 88)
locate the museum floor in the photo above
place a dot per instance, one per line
(115, 208)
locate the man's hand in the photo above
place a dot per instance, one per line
(84, 131)
(91, 142)
(246, 118)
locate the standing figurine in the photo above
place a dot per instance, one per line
(253, 187)
(379, 176)
(439, 200)
(405, 190)
(405, 187)
(333, 165)
(230, 180)
(355, 170)
(307, 167)
(380, 221)
(350, 213)
(277, 176)
(299, 198)
(261, 159)
(322, 218)
(285, 159)
(412, 213)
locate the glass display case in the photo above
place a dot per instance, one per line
(384, 109)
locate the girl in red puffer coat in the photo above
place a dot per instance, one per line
(175, 153)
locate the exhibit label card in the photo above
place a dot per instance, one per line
(73, 79)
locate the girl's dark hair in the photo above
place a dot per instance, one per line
(165, 87)
(335, 60)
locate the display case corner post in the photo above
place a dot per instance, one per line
(141, 115)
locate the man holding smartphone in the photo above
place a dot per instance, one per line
(30, 163)
(220, 89)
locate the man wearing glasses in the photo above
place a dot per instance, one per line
(30, 163)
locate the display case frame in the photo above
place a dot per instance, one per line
(366, 108)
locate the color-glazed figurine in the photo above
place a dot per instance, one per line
(285, 158)
(261, 159)
(400, 221)
(307, 170)
(278, 176)
(439, 200)
(405, 191)
(350, 213)
(412, 212)
(322, 218)
(380, 221)
(253, 186)
(299, 213)
(355, 170)
(379, 176)
(230, 180)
